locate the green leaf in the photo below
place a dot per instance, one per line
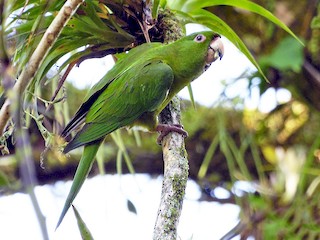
(91, 8)
(272, 228)
(4, 181)
(116, 136)
(84, 231)
(315, 23)
(155, 8)
(218, 25)
(243, 4)
(191, 96)
(287, 55)
(163, 3)
(312, 227)
(176, 4)
(207, 158)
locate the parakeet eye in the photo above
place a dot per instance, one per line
(199, 38)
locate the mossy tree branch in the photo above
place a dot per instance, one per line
(175, 176)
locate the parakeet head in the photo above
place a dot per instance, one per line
(194, 54)
(211, 43)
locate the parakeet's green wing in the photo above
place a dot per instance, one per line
(125, 100)
(125, 63)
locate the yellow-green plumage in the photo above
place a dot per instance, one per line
(135, 91)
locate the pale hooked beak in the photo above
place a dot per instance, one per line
(215, 51)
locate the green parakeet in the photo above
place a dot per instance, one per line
(134, 92)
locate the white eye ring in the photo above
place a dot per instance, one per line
(199, 38)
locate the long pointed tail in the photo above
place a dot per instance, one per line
(81, 174)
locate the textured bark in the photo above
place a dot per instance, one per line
(47, 41)
(175, 176)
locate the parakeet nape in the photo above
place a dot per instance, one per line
(135, 91)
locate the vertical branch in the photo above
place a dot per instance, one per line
(47, 41)
(175, 176)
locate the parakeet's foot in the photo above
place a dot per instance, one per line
(164, 129)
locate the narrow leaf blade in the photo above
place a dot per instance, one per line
(243, 4)
(84, 230)
(191, 96)
(155, 8)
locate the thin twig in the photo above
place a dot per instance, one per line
(314, 72)
(60, 84)
(46, 43)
